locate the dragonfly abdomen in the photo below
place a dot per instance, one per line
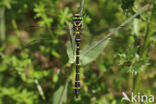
(77, 78)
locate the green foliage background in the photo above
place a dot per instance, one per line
(37, 57)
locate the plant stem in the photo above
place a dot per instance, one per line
(143, 53)
(2, 23)
(14, 24)
(16, 28)
(81, 6)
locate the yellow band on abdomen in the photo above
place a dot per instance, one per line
(77, 32)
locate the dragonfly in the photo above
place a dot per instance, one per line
(78, 32)
(77, 28)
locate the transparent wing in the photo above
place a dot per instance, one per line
(46, 35)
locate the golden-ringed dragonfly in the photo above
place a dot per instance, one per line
(77, 29)
(77, 32)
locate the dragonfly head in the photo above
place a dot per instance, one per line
(77, 17)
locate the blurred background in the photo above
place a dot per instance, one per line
(37, 65)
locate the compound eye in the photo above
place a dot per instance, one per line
(74, 18)
(79, 17)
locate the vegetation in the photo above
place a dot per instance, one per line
(37, 56)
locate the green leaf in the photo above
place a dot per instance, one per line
(56, 54)
(136, 26)
(71, 46)
(65, 16)
(70, 53)
(91, 52)
(55, 78)
(60, 95)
